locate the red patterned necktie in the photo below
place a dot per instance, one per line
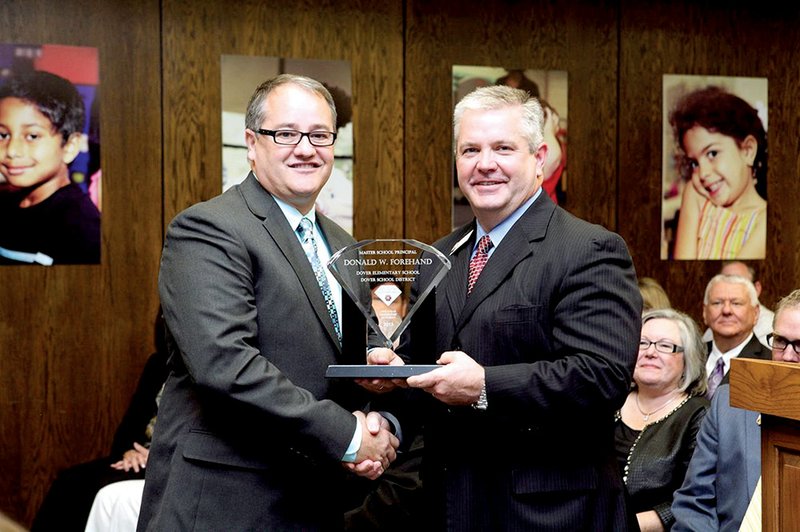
(477, 262)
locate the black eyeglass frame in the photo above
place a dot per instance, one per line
(273, 132)
(675, 348)
(794, 343)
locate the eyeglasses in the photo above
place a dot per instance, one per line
(292, 137)
(779, 343)
(662, 346)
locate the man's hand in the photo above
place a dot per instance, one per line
(458, 382)
(382, 356)
(133, 459)
(378, 446)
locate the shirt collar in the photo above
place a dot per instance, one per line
(293, 216)
(726, 356)
(501, 230)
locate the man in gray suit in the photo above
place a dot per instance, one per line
(726, 463)
(250, 434)
(537, 349)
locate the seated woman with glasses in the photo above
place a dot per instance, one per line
(656, 427)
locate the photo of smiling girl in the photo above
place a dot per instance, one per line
(722, 160)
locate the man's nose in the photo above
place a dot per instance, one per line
(486, 161)
(304, 146)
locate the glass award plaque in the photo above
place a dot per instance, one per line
(388, 268)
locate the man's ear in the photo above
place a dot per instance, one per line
(250, 140)
(72, 147)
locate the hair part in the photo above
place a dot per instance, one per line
(53, 96)
(496, 97)
(693, 380)
(256, 115)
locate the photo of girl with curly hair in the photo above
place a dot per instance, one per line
(722, 158)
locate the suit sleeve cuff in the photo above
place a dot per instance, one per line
(355, 444)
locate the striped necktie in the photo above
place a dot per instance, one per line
(306, 232)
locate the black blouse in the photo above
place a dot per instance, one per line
(658, 456)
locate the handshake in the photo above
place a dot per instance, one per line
(378, 446)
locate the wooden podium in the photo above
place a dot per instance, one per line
(773, 388)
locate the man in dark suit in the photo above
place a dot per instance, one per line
(537, 356)
(730, 310)
(250, 434)
(726, 464)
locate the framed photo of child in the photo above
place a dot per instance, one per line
(50, 190)
(714, 174)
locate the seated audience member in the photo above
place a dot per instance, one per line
(765, 316)
(730, 309)
(69, 499)
(726, 464)
(656, 427)
(116, 507)
(653, 294)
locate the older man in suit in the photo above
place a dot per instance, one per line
(730, 310)
(250, 435)
(765, 316)
(726, 463)
(537, 349)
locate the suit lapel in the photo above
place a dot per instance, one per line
(754, 349)
(263, 206)
(454, 284)
(519, 243)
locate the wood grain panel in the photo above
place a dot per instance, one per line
(74, 339)
(196, 34)
(685, 37)
(580, 37)
(766, 386)
(780, 474)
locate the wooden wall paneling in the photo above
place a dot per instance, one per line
(74, 338)
(752, 40)
(780, 474)
(368, 35)
(579, 37)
